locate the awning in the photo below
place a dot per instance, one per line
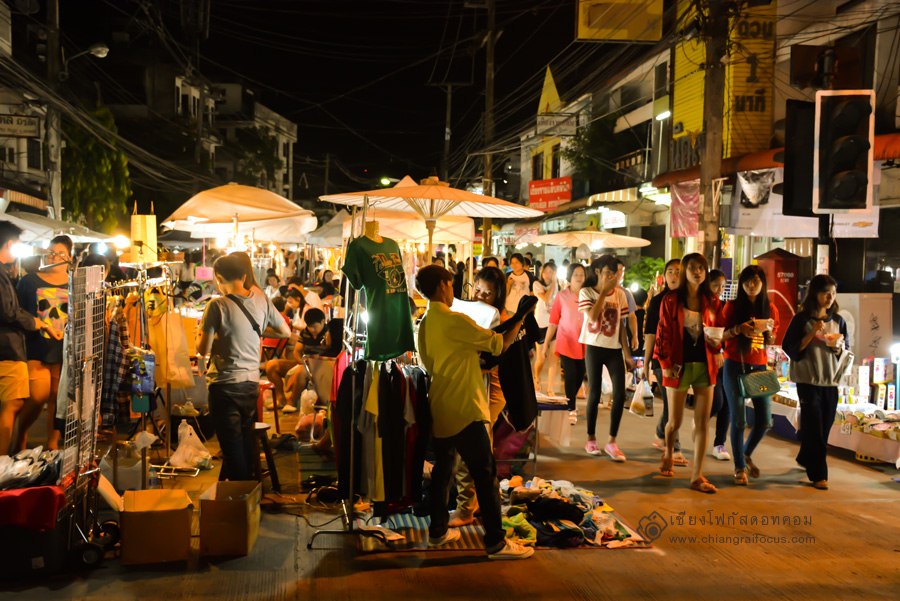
(42, 227)
(887, 146)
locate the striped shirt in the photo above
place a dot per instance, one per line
(605, 331)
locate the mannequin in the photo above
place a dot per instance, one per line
(372, 231)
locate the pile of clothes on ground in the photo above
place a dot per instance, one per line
(556, 513)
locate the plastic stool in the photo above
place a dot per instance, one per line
(262, 438)
(260, 404)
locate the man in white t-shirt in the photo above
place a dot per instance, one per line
(518, 283)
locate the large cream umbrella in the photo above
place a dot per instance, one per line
(432, 200)
(236, 209)
(594, 239)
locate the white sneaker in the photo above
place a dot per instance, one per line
(721, 454)
(451, 535)
(289, 409)
(512, 550)
(573, 417)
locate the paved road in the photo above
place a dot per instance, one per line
(847, 545)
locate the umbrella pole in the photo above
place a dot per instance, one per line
(429, 225)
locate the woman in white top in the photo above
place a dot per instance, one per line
(604, 306)
(545, 289)
(273, 286)
(518, 283)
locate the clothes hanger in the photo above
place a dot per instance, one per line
(372, 231)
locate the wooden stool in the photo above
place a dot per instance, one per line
(262, 438)
(260, 404)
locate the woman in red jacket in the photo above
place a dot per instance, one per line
(687, 357)
(749, 322)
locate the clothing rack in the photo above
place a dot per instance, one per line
(353, 344)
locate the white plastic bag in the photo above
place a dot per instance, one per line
(642, 402)
(190, 452)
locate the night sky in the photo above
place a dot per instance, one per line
(354, 75)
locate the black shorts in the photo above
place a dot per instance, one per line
(542, 335)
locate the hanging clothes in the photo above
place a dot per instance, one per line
(347, 405)
(115, 368)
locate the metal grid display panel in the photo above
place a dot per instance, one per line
(86, 337)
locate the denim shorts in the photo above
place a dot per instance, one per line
(694, 374)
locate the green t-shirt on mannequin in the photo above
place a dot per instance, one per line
(377, 267)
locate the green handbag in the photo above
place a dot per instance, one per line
(757, 384)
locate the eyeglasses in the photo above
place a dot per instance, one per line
(56, 255)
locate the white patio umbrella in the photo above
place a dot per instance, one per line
(432, 200)
(594, 239)
(41, 227)
(237, 209)
(330, 235)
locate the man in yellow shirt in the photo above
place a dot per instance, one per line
(449, 344)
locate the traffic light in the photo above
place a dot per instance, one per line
(844, 151)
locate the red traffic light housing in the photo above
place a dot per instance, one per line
(844, 151)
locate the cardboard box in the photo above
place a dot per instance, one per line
(156, 526)
(882, 371)
(879, 393)
(229, 518)
(891, 403)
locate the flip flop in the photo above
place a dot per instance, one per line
(661, 446)
(702, 484)
(679, 460)
(665, 468)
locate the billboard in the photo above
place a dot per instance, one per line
(620, 20)
(547, 194)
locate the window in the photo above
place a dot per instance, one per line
(34, 153)
(178, 99)
(286, 149)
(554, 162)
(537, 166)
(185, 106)
(8, 155)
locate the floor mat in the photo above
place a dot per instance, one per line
(415, 529)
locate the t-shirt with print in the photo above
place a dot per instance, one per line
(378, 268)
(236, 347)
(49, 303)
(520, 286)
(605, 332)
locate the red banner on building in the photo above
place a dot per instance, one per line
(547, 194)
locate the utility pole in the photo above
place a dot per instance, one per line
(716, 33)
(488, 180)
(195, 20)
(54, 120)
(445, 160)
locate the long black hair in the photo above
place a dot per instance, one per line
(610, 262)
(810, 304)
(704, 290)
(570, 271)
(745, 309)
(666, 288)
(247, 265)
(493, 276)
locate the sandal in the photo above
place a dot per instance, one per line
(660, 446)
(702, 484)
(679, 460)
(740, 477)
(665, 468)
(751, 467)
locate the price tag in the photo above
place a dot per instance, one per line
(846, 428)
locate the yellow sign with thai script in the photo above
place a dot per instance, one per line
(622, 20)
(750, 81)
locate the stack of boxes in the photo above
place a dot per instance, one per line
(872, 382)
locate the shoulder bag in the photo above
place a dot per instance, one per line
(757, 384)
(246, 313)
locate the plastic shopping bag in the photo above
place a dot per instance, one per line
(190, 452)
(642, 402)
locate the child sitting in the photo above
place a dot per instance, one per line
(313, 341)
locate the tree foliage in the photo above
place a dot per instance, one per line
(644, 272)
(594, 150)
(95, 179)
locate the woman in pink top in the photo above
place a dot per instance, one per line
(565, 323)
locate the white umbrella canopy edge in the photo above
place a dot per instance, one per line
(330, 234)
(594, 239)
(43, 227)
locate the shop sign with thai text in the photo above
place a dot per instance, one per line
(19, 126)
(547, 194)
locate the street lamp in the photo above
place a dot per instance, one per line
(99, 50)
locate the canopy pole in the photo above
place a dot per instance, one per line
(429, 225)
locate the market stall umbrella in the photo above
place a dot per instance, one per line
(330, 235)
(412, 228)
(594, 239)
(432, 200)
(41, 227)
(218, 211)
